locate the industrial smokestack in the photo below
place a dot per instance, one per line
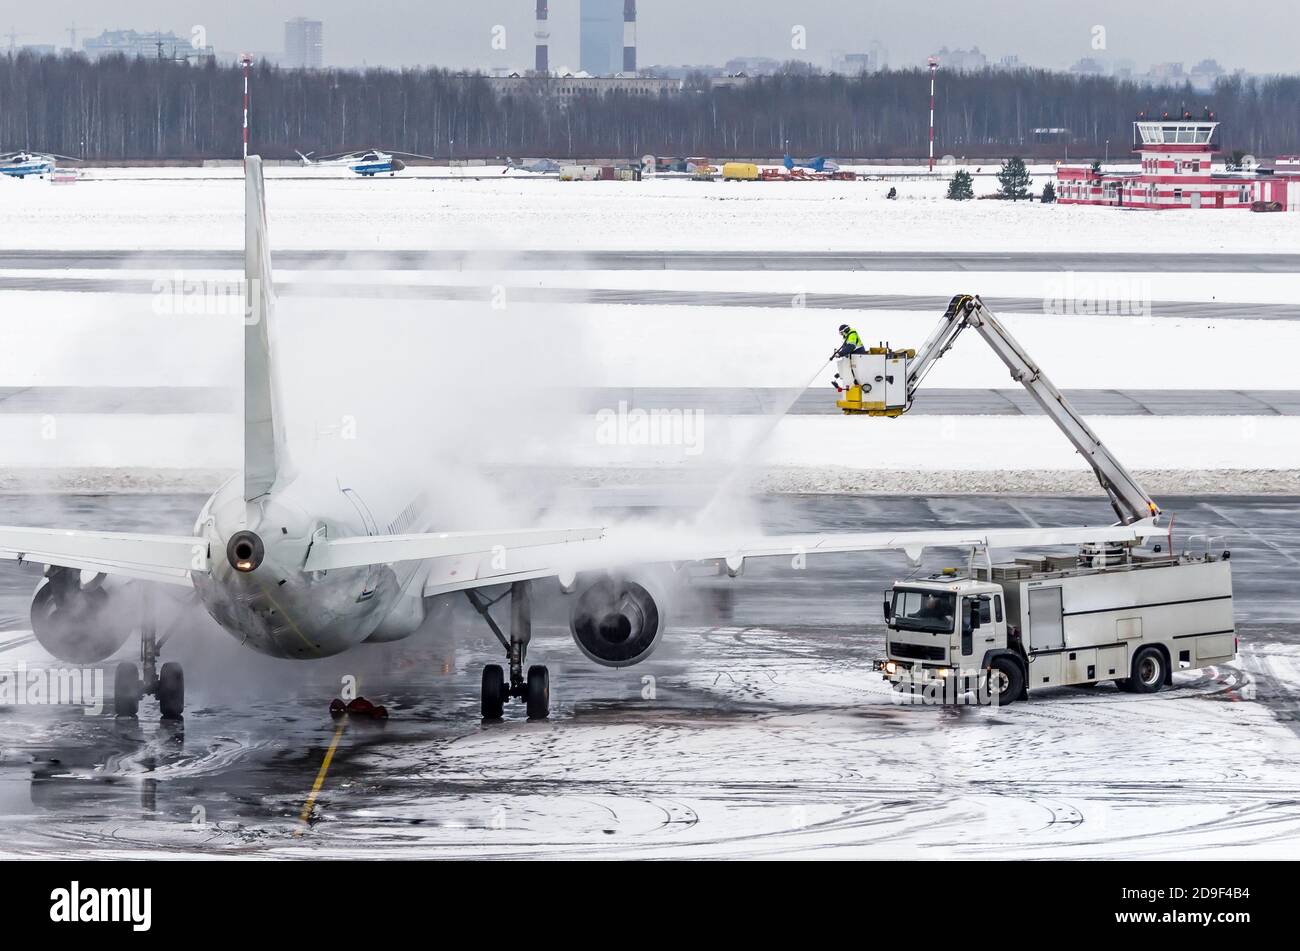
(629, 36)
(542, 34)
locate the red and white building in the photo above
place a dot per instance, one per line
(1177, 171)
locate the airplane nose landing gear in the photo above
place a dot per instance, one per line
(535, 690)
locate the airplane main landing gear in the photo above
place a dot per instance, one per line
(167, 683)
(497, 687)
(535, 691)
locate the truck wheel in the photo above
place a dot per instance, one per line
(1148, 672)
(1006, 682)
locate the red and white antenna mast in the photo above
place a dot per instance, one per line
(246, 60)
(934, 68)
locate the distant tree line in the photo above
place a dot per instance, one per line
(140, 109)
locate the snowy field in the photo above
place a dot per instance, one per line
(172, 208)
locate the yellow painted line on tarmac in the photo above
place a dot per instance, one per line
(320, 776)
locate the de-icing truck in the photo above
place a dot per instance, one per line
(1108, 612)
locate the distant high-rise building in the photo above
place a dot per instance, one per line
(1205, 74)
(132, 43)
(753, 65)
(1167, 73)
(851, 64)
(971, 60)
(1088, 66)
(304, 43)
(600, 37)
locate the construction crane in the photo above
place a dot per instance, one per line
(883, 382)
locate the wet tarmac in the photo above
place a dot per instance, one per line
(757, 729)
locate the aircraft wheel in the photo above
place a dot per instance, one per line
(171, 691)
(126, 690)
(493, 694)
(539, 693)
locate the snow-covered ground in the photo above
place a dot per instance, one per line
(171, 209)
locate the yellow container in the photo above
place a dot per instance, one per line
(739, 172)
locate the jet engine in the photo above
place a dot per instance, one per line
(616, 622)
(82, 622)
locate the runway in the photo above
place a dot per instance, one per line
(624, 260)
(757, 730)
(729, 401)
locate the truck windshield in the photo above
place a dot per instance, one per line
(931, 611)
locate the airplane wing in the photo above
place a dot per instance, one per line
(461, 560)
(362, 550)
(167, 558)
(639, 548)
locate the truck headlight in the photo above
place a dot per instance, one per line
(891, 668)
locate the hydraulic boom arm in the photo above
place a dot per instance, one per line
(882, 381)
(1130, 501)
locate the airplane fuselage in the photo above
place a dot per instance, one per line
(258, 592)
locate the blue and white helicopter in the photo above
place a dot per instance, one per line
(22, 164)
(821, 164)
(367, 164)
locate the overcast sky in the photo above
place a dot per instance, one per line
(1258, 35)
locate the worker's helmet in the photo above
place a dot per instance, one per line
(844, 330)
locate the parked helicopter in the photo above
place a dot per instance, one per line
(22, 164)
(367, 163)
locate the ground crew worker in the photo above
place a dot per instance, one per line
(852, 342)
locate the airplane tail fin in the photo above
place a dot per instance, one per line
(265, 452)
(788, 163)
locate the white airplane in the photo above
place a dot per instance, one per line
(541, 166)
(294, 562)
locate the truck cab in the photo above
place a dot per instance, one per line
(943, 632)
